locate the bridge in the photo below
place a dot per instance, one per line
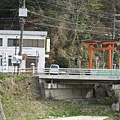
(75, 83)
(82, 75)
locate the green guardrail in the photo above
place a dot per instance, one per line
(108, 72)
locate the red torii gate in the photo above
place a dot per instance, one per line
(110, 46)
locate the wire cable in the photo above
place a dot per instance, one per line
(64, 7)
(53, 18)
(13, 21)
(48, 25)
(67, 21)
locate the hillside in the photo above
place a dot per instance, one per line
(68, 23)
(21, 101)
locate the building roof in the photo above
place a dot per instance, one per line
(17, 32)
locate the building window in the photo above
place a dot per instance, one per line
(33, 43)
(29, 43)
(26, 42)
(12, 42)
(1, 41)
(41, 43)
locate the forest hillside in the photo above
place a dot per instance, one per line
(68, 23)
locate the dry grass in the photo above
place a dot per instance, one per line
(21, 101)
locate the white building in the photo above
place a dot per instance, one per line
(33, 49)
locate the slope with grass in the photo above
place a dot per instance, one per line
(21, 101)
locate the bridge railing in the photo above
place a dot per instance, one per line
(19, 71)
(65, 71)
(79, 71)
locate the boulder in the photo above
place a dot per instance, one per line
(115, 106)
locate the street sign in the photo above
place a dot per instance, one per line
(97, 58)
(17, 59)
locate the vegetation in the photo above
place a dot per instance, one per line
(21, 101)
(68, 23)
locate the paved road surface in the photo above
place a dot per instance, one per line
(79, 118)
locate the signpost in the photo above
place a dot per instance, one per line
(97, 58)
(5, 62)
(16, 60)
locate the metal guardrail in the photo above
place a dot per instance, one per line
(65, 71)
(79, 71)
(19, 71)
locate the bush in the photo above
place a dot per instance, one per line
(22, 76)
(106, 100)
(62, 62)
(2, 77)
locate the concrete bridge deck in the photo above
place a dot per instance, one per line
(82, 75)
(81, 78)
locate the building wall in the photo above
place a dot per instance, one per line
(36, 52)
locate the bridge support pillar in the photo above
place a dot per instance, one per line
(116, 103)
(63, 91)
(42, 89)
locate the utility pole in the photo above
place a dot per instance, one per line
(113, 35)
(22, 21)
(22, 15)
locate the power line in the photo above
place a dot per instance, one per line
(9, 18)
(48, 25)
(44, 24)
(64, 7)
(13, 20)
(67, 21)
(7, 9)
(58, 6)
(87, 15)
(57, 20)
(54, 18)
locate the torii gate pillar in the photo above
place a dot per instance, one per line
(91, 54)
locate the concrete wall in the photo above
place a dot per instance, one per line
(64, 91)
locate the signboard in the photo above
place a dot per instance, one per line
(22, 12)
(48, 45)
(17, 59)
(5, 62)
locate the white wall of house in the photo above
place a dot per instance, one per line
(37, 52)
